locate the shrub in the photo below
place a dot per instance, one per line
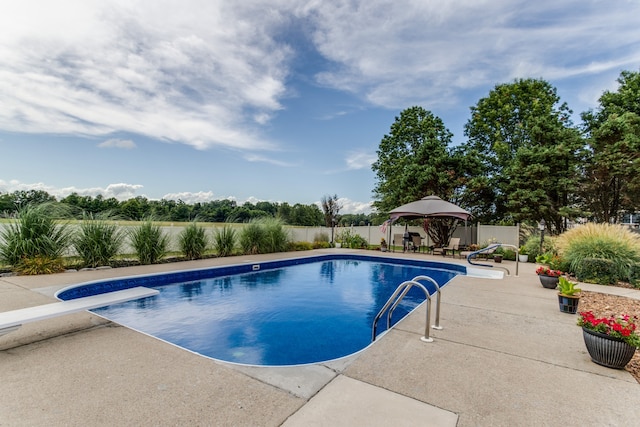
(321, 245)
(252, 238)
(321, 237)
(532, 246)
(98, 241)
(264, 235)
(149, 242)
(276, 236)
(597, 270)
(40, 264)
(34, 243)
(193, 241)
(300, 246)
(225, 240)
(602, 241)
(349, 240)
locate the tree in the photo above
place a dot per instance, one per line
(330, 209)
(414, 161)
(523, 137)
(611, 179)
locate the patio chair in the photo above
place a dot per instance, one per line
(452, 247)
(397, 241)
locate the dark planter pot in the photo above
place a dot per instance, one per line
(497, 258)
(548, 282)
(568, 304)
(606, 350)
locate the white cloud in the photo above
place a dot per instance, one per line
(202, 73)
(191, 198)
(264, 159)
(118, 143)
(119, 191)
(360, 160)
(428, 52)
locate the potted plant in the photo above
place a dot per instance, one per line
(548, 278)
(383, 245)
(610, 341)
(568, 296)
(523, 255)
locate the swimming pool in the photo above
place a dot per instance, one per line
(288, 312)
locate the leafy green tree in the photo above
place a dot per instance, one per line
(32, 197)
(612, 172)
(414, 161)
(523, 138)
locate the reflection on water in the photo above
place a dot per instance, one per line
(299, 314)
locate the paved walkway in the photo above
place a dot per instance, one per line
(506, 356)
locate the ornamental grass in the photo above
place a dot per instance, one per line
(600, 241)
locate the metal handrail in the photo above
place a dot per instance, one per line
(408, 288)
(494, 246)
(395, 299)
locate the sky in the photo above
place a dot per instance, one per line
(271, 100)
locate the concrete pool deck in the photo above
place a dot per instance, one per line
(506, 356)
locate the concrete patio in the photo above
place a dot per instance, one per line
(506, 356)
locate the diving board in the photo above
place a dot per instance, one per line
(12, 320)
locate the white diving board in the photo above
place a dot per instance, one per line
(12, 320)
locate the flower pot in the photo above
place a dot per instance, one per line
(549, 282)
(497, 258)
(568, 304)
(523, 258)
(606, 350)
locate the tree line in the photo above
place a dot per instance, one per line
(141, 208)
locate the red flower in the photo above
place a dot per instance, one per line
(546, 271)
(622, 327)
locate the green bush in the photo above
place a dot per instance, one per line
(34, 242)
(532, 246)
(351, 240)
(98, 241)
(597, 270)
(252, 238)
(276, 235)
(300, 246)
(149, 242)
(264, 235)
(193, 241)
(634, 275)
(225, 240)
(321, 245)
(601, 241)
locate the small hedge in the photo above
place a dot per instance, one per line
(597, 270)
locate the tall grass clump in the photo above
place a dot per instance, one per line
(193, 241)
(252, 238)
(98, 241)
(149, 242)
(34, 242)
(224, 240)
(610, 242)
(277, 238)
(264, 235)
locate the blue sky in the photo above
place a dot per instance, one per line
(277, 100)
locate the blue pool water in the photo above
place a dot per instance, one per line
(284, 313)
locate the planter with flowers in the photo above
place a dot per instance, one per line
(568, 296)
(611, 341)
(548, 277)
(383, 245)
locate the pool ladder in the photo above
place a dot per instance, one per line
(401, 291)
